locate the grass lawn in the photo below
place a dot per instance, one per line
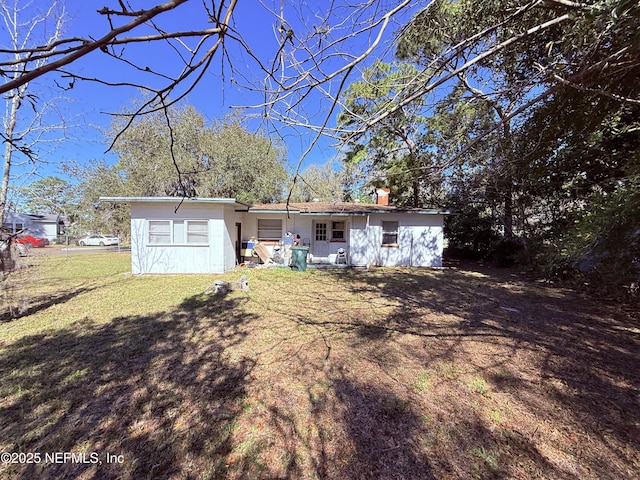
(391, 373)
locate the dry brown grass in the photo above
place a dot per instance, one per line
(392, 373)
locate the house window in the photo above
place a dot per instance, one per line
(179, 232)
(389, 233)
(321, 232)
(18, 227)
(269, 229)
(159, 231)
(337, 231)
(197, 231)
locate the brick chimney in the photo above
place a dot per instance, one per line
(382, 196)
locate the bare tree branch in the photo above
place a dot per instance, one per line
(90, 46)
(24, 129)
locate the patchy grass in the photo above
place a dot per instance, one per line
(478, 385)
(392, 373)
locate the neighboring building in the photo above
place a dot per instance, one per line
(209, 235)
(40, 226)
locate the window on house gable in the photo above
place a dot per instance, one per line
(389, 233)
(269, 229)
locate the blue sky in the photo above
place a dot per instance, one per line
(87, 105)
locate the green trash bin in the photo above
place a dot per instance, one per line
(299, 258)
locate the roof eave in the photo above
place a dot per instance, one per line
(227, 201)
(267, 210)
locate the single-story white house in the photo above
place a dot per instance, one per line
(211, 235)
(40, 226)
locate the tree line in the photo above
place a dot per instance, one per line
(532, 133)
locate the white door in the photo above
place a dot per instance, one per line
(320, 245)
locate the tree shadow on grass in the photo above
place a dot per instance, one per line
(169, 392)
(160, 391)
(384, 432)
(569, 359)
(39, 303)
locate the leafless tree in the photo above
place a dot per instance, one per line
(310, 52)
(26, 114)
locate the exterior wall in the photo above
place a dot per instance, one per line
(179, 258)
(37, 228)
(231, 217)
(294, 223)
(49, 230)
(291, 223)
(420, 238)
(361, 245)
(302, 225)
(13, 221)
(420, 241)
(427, 242)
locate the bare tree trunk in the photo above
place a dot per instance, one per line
(10, 126)
(22, 36)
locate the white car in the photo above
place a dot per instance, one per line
(98, 240)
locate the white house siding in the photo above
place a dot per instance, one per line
(420, 238)
(231, 217)
(302, 225)
(291, 224)
(428, 242)
(45, 228)
(332, 246)
(211, 258)
(361, 246)
(420, 241)
(36, 225)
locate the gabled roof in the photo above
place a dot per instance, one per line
(48, 218)
(32, 217)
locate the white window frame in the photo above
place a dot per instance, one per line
(390, 228)
(189, 235)
(339, 226)
(162, 233)
(268, 231)
(320, 231)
